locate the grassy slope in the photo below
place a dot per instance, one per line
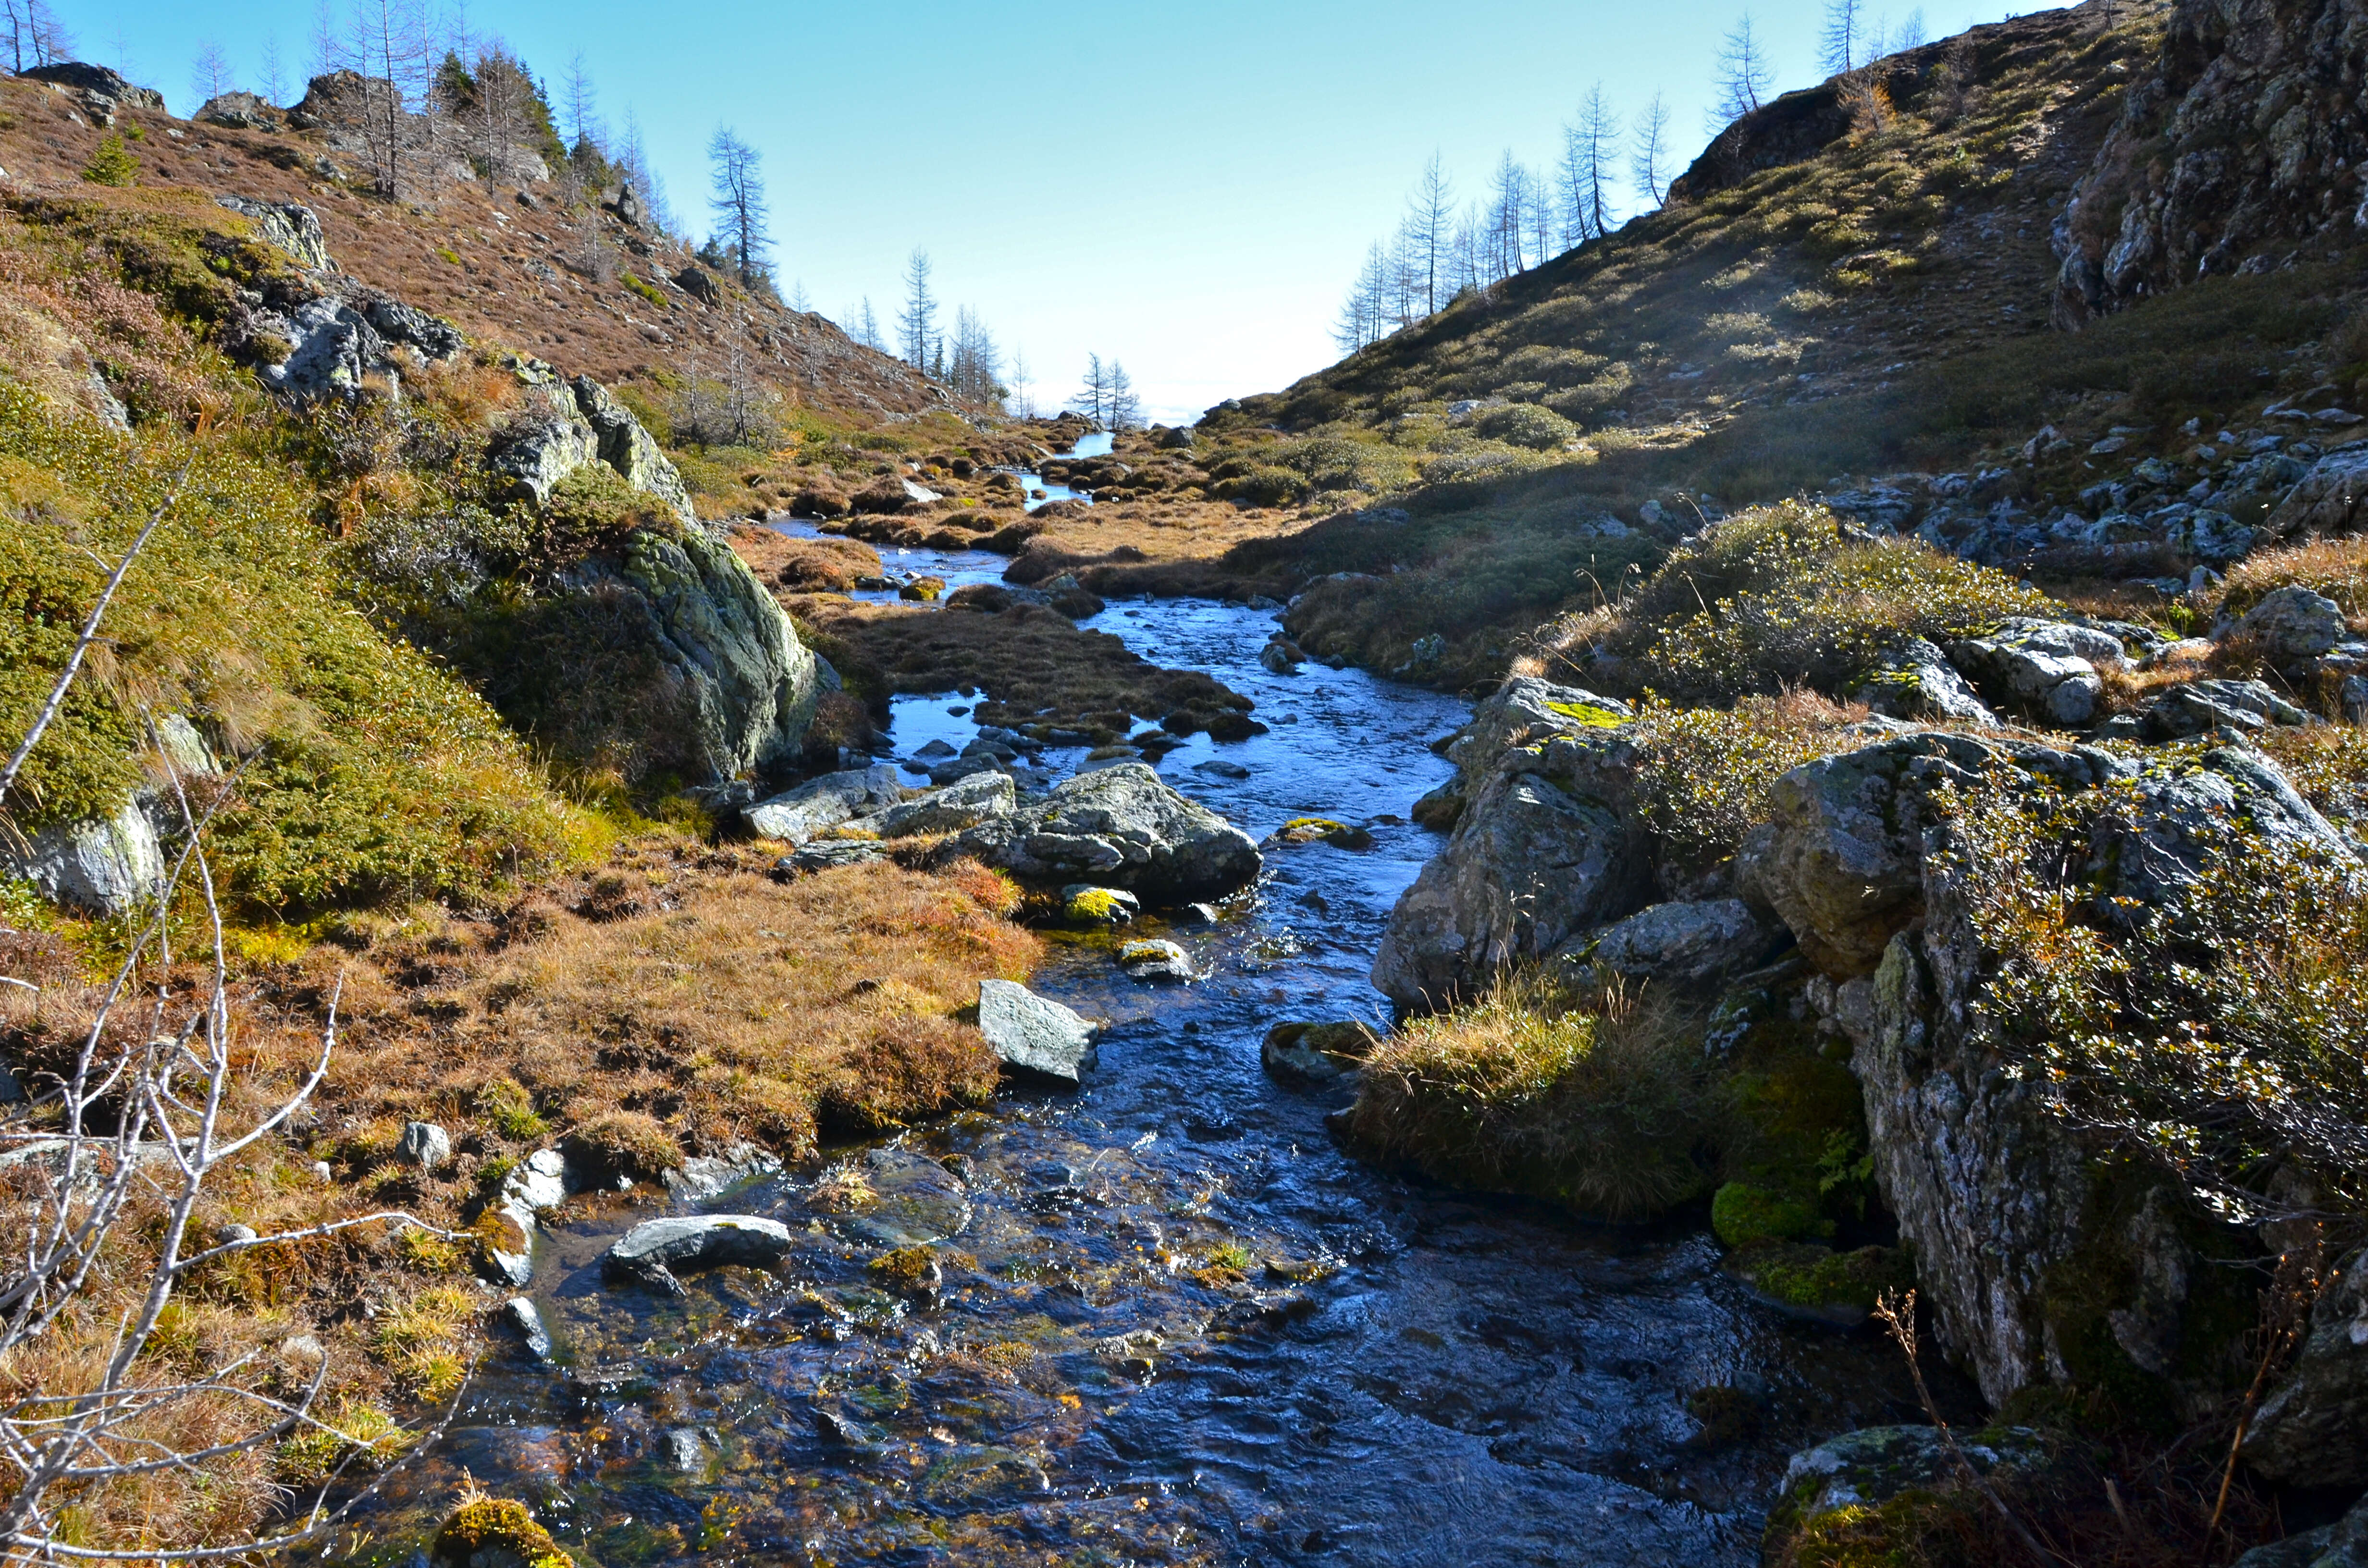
(1879, 306)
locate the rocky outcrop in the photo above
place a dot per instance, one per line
(1523, 711)
(238, 112)
(2042, 666)
(570, 426)
(1120, 826)
(100, 90)
(106, 867)
(1841, 861)
(290, 226)
(2244, 138)
(1916, 680)
(821, 804)
(1688, 945)
(2328, 499)
(1531, 865)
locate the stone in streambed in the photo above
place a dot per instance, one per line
(1157, 963)
(1032, 1034)
(653, 1249)
(1311, 1055)
(1082, 904)
(1322, 830)
(952, 808)
(1120, 826)
(526, 1321)
(823, 803)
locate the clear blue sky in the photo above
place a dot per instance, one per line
(1187, 188)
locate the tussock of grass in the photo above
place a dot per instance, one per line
(1523, 1092)
(2335, 567)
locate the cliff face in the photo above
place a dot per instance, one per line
(2244, 140)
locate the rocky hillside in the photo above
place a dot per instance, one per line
(591, 287)
(1948, 307)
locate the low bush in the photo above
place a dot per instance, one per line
(1527, 425)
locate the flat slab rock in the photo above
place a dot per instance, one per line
(653, 1249)
(1033, 1034)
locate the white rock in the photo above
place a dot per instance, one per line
(1031, 1033)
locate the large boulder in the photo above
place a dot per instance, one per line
(2048, 667)
(820, 804)
(1531, 866)
(2343, 1544)
(108, 866)
(1123, 827)
(2156, 848)
(1686, 946)
(2293, 625)
(2309, 1431)
(101, 90)
(2201, 707)
(1522, 712)
(1841, 861)
(2332, 498)
(950, 808)
(745, 684)
(1917, 681)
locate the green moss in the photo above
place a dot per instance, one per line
(1098, 906)
(1324, 829)
(1743, 1216)
(907, 1268)
(649, 291)
(1588, 714)
(491, 1532)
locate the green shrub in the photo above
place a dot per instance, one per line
(649, 291)
(1706, 776)
(112, 163)
(1778, 595)
(1527, 425)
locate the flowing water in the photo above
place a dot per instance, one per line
(1176, 1323)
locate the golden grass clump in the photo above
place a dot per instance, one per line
(1597, 1108)
(2336, 567)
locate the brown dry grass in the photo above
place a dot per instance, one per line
(1027, 660)
(676, 999)
(804, 565)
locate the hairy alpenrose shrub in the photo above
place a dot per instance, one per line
(1780, 595)
(1527, 425)
(2224, 1035)
(1599, 1108)
(1706, 776)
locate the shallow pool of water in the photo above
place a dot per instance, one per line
(1176, 1325)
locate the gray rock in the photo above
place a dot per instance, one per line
(1870, 1466)
(624, 446)
(2328, 499)
(544, 446)
(1156, 961)
(2293, 625)
(1841, 859)
(703, 1178)
(1917, 681)
(108, 868)
(1681, 945)
(1530, 866)
(951, 809)
(335, 349)
(2343, 1544)
(2041, 665)
(1033, 1034)
(2202, 707)
(236, 1235)
(2313, 1429)
(537, 1186)
(238, 112)
(426, 1145)
(2355, 697)
(1315, 1055)
(1281, 656)
(746, 686)
(913, 1200)
(653, 1250)
(99, 88)
(523, 1319)
(1219, 767)
(1120, 826)
(819, 804)
(1519, 712)
(434, 338)
(686, 1449)
(292, 227)
(2159, 846)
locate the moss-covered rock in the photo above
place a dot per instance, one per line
(495, 1532)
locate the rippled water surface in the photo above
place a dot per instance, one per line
(1175, 1324)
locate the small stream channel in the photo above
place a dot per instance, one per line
(1376, 1371)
